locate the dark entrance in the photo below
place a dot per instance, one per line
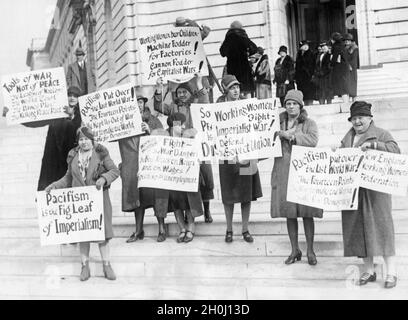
(316, 20)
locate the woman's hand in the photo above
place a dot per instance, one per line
(100, 183)
(49, 188)
(368, 145)
(145, 127)
(287, 135)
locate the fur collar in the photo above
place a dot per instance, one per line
(302, 116)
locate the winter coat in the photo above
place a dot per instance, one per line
(237, 47)
(284, 71)
(237, 187)
(322, 77)
(100, 165)
(369, 230)
(74, 78)
(305, 63)
(262, 71)
(132, 196)
(61, 138)
(340, 69)
(306, 135)
(352, 57)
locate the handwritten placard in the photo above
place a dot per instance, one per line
(385, 172)
(35, 95)
(168, 163)
(112, 114)
(70, 215)
(172, 53)
(243, 129)
(324, 179)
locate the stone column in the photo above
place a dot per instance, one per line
(366, 36)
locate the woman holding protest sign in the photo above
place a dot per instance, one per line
(134, 199)
(90, 164)
(240, 182)
(369, 230)
(184, 97)
(296, 129)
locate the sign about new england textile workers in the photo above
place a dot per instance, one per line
(168, 163)
(321, 178)
(385, 172)
(112, 114)
(172, 53)
(243, 129)
(70, 215)
(35, 95)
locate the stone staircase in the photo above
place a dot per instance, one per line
(207, 268)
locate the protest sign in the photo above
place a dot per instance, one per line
(70, 215)
(242, 129)
(321, 178)
(112, 114)
(172, 53)
(35, 95)
(385, 172)
(168, 163)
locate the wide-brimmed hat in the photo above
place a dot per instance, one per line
(336, 36)
(140, 97)
(283, 49)
(360, 108)
(75, 91)
(79, 52)
(228, 81)
(296, 96)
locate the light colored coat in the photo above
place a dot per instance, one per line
(369, 231)
(100, 165)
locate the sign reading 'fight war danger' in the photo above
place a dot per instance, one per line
(175, 53)
(35, 95)
(71, 215)
(112, 114)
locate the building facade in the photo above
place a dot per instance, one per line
(108, 29)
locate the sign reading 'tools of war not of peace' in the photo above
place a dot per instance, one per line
(243, 129)
(35, 95)
(175, 53)
(112, 114)
(168, 163)
(71, 215)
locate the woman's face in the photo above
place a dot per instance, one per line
(347, 42)
(183, 95)
(72, 100)
(141, 105)
(84, 143)
(360, 123)
(292, 108)
(234, 92)
(283, 54)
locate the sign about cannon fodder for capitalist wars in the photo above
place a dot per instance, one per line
(71, 215)
(321, 178)
(243, 129)
(172, 53)
(35, 95)
(168, 163)
(112, 114)
(385, 172)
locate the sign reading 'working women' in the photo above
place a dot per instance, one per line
(70, 215)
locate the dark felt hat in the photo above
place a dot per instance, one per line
(79, 52)
(140, 97)
(360, 108)
(348, 36)
(186, 86)
(178, 116)
(283, 49)
(228, 81)
(75, 91)
(85, 131)
(336, 36)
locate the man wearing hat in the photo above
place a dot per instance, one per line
(80, 75)
(369, 230)
(284, 73)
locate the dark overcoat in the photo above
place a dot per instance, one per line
(305, 63)
(322, 75)
(100, 165)
(352, 57)
(306, 135)
(369, 231)
(340, 69)
(284, 71)
(237, 47)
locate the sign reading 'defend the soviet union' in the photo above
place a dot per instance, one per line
(112, 114)
(71, 215)
(35, 95)
(171, 53)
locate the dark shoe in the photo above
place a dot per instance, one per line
(228, 236)
(208, 218)
(390, 282)
(85, 272)
(189, 236)
(312, 259)
(293, 258)
(134, 237)
(366, 277)
(161, 237)
(247, 237)
(108, 272)
(181, 236)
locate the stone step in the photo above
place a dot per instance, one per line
(260, 224)
(201, 246)
(181, 288)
